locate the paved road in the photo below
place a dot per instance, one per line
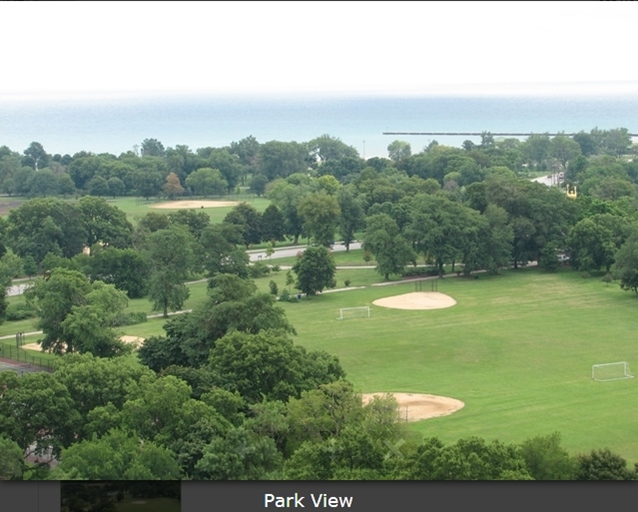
(287, 252)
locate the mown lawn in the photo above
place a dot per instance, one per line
(517, 349)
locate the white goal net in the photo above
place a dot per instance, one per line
(611, 371)
(360, 312)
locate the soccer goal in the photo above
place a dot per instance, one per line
(611, 371)
(359, 312)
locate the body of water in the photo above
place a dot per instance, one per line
(117, 126)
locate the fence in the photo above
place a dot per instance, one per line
(23, 356)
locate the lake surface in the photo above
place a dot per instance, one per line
(117, 126)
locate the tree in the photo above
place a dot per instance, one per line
(587, 143)
(233, 306)
(75, 315)
(603, 465)
(564, 149)
(239, 455)
(95, 382)
(258, 184)
(170, 252)
(249, 220)
(42, 183)
(173, 187)
(436, 228)
(326, 148)
(206, 181)
(497, 239)
(390, 249)
(127, 269)
(221, 251)
(315, 270)
(594, 241)
(287, 198)
(246, 150)
(152, 147)
(98, 186)
(88, 328)
(118, 455)
(41, 226)
(320, 213)
(328, 184)
(54, 298)
(147, 183)
(266, 365)
(35, 156)
(104, 223)
(546, 459)
(195, 221)
(11, 460)
(281, 159)
(116, 187)
(536, 149)
(398, 150)
(37, 412)
(65, 186)
(625, 266)
(228, 165)
(352, 217)
(272, 224)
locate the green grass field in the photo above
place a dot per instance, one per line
(136, 207)
(517, 349)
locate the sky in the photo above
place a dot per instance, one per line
(76, 50)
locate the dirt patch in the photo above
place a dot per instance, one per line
(416, 407)
(32, 346)
(417, 300)
(133, 340)
(181, 205)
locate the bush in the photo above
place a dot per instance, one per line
(273, 288)
(275, 268)
(420, 272)
(130, 318)
(258, 269)
(20, 312)
(347, 282)
(287, 297)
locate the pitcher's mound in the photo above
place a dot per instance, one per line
(415, 407)
(417, 300)
(180, 205)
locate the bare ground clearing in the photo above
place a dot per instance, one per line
(416, 406)
(416, 300)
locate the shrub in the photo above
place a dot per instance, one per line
(130, 318)
(273, 288)
(286, 296)
(347, 282)
(258, 269)
(20, 312)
